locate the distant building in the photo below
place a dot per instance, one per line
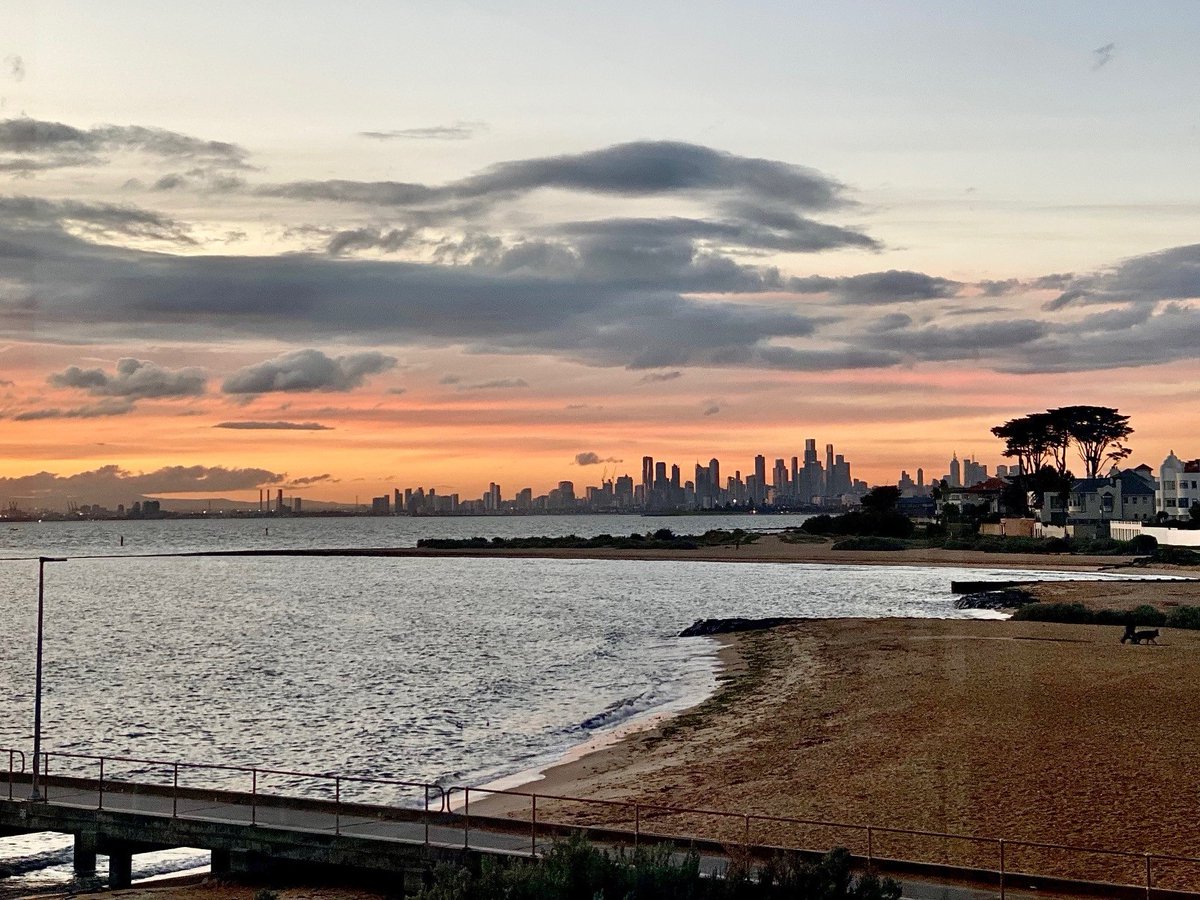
(1178, 487)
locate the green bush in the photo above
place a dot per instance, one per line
(1148, 615)
(1184, 617)
(577, 870)
(869, 543)
(1078, 614)
(1144, 545)
(1176, 556)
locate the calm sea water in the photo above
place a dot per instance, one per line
(443, 670)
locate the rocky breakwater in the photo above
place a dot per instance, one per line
(1007, 599)
(709, 627)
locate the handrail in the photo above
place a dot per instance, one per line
(253, 771)
(12, 754)
(442, 802)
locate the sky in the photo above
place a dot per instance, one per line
(340, 248)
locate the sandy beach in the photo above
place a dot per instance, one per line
(773, 548)
(1026, 731)
(1113, 594)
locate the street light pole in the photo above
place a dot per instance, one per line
(37, 689)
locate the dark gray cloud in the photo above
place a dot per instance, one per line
(274, 426)
(796, 235)
(103, 220)
(974, 341)
(637, 169)
(1171, 274)
(111, 485)
(134, 379)
(496, 384)
(308, 370)
(658, 377)
(385, 240)
(992, 288)
(591, 458)
(33, 144)
(458, 131)
(16, 67)
(1114, 340)
(93, 292)
(1101, 56)
(890, 322)
(94, 411)
(307, 480)
(757, 205)
(878, 288)
(711, 409)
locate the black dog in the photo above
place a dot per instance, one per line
(1132, 634)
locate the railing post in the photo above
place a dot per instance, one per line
(10, 773)
(254, 796)
(870, 846)
(175, 790)
(746, 833)
(100, 786)
(466, 818)
(425, 815)
(1149, 880)
(337, 805)
(1001, 868)
(637, 824)
(533, 826)
(45, 775)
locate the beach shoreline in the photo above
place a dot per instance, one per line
(772, 548)
(1023, 730)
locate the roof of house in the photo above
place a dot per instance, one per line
(1131, 483)
(991, 486)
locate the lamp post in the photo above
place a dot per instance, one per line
(37, 690)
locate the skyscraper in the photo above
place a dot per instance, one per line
(647, 476)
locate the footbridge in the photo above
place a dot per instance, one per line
(252, 819)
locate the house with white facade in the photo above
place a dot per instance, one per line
(1178, 487)
(1124, 495)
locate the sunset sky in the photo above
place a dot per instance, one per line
(341, 248)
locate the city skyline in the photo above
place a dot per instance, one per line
(555, 234)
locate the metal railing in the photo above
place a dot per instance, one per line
(433, 797)
(12, 756)
(634, 822)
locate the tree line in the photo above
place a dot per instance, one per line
(1044, 440)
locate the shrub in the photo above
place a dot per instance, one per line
(1078, 614)
(1143, 545)
(576, 870)
(1148, 615)
(1176, 556)
(1184, 617)
(869, 543)
(822, 524)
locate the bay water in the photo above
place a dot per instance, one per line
(442, 670)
